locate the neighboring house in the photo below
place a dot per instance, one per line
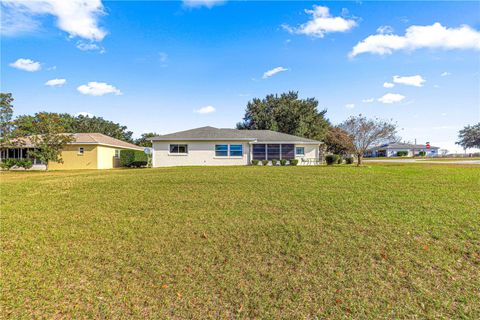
(87, 151)
(391, 149)
(213, 146)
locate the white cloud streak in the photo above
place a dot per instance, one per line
(55, 82)
(205, 110)
(350, 106)
(202, 3)
(390, 98)
(322, 22)
(434, 36)
(388, 85)
(26, 65)
(272, 72)
(98, 89)
(368, 100)
(416, 81)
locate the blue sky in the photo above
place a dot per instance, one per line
(167, 66)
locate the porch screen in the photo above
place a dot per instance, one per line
(273, 151)
(288, 151)
(259, 152)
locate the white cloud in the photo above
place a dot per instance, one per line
(444, 74)
(79, 18)
(272, 72)
(443, 114)
(416, 81)
(205, 110)
(56, 82)
(390, 98)
(435, 36)
(98, 89)
(202, 3)
(350, 106)
(26, 65)
(368, 100)
(84, 114)
(388, 85)
(322, 23)
(385, 29)
(84, 46)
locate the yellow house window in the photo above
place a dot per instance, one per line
(81, 151)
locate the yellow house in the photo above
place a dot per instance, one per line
(87, 151)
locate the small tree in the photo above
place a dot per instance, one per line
(50, 139)
(338, 141)
(143, 142)
(469, 137)
(366, 133)
(6, 115)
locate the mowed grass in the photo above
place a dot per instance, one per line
(383, 241)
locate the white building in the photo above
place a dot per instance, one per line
(393, 149)
(216, 147)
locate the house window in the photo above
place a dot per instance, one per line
(300, 151)
(117, 153)
(236, 150)
(221, 150)
(81, 151)
(179, 148)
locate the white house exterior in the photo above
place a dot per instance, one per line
(391, 150)
(209, 146)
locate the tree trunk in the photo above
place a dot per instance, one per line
(46, 166)
(359, 159)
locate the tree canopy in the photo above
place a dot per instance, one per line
(469, 137)
(25, 125)
(367, 133)
(6, 116)
(338, 141)
(286, 113)
(143, 142)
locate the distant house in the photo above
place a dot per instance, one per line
(214, 146)
(392, 149)
(87, 151)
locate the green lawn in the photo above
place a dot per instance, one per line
(383, 241)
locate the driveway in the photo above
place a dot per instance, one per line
(425, 161)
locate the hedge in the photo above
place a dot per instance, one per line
(331, 159)
(133, 158)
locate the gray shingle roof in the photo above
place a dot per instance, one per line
(399, 145)
(211, 133)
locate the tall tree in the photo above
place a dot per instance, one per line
(49, 139)
(367, 133)
(469, 137)
(286, 113)
(71, 124)
(143, 142)
(338, 141)
(6, 116)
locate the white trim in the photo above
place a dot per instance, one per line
(202, 139)
(285, 142)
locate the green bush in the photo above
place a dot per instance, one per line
(25, 164)
(402, 153)
(265, 162)
(283, 162)
(133, 158)
(293, 162)
(331, 159)
(274, 162)
(349, 160)
(340, 160)
(7, 164)
(255, 162)
(422, 153)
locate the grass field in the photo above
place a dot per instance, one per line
(383, 241)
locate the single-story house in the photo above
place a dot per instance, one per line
(87, 151)
(214, 146)
(391, 150)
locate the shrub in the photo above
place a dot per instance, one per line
(133, 158)
(25, 164)
(274, 162)
(349, 160)
(255, 162)
(283, 162)
(340, 160)
(7, 164)
(402, 153)
(293, 162)
(331, 159)
(422, 153)
(265, 162)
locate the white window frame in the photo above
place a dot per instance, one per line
(299, 154)
(177, 153)
(228, 156)
(117, 153)
(81, 151)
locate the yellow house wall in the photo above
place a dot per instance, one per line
(73, 160)
(106, 158)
